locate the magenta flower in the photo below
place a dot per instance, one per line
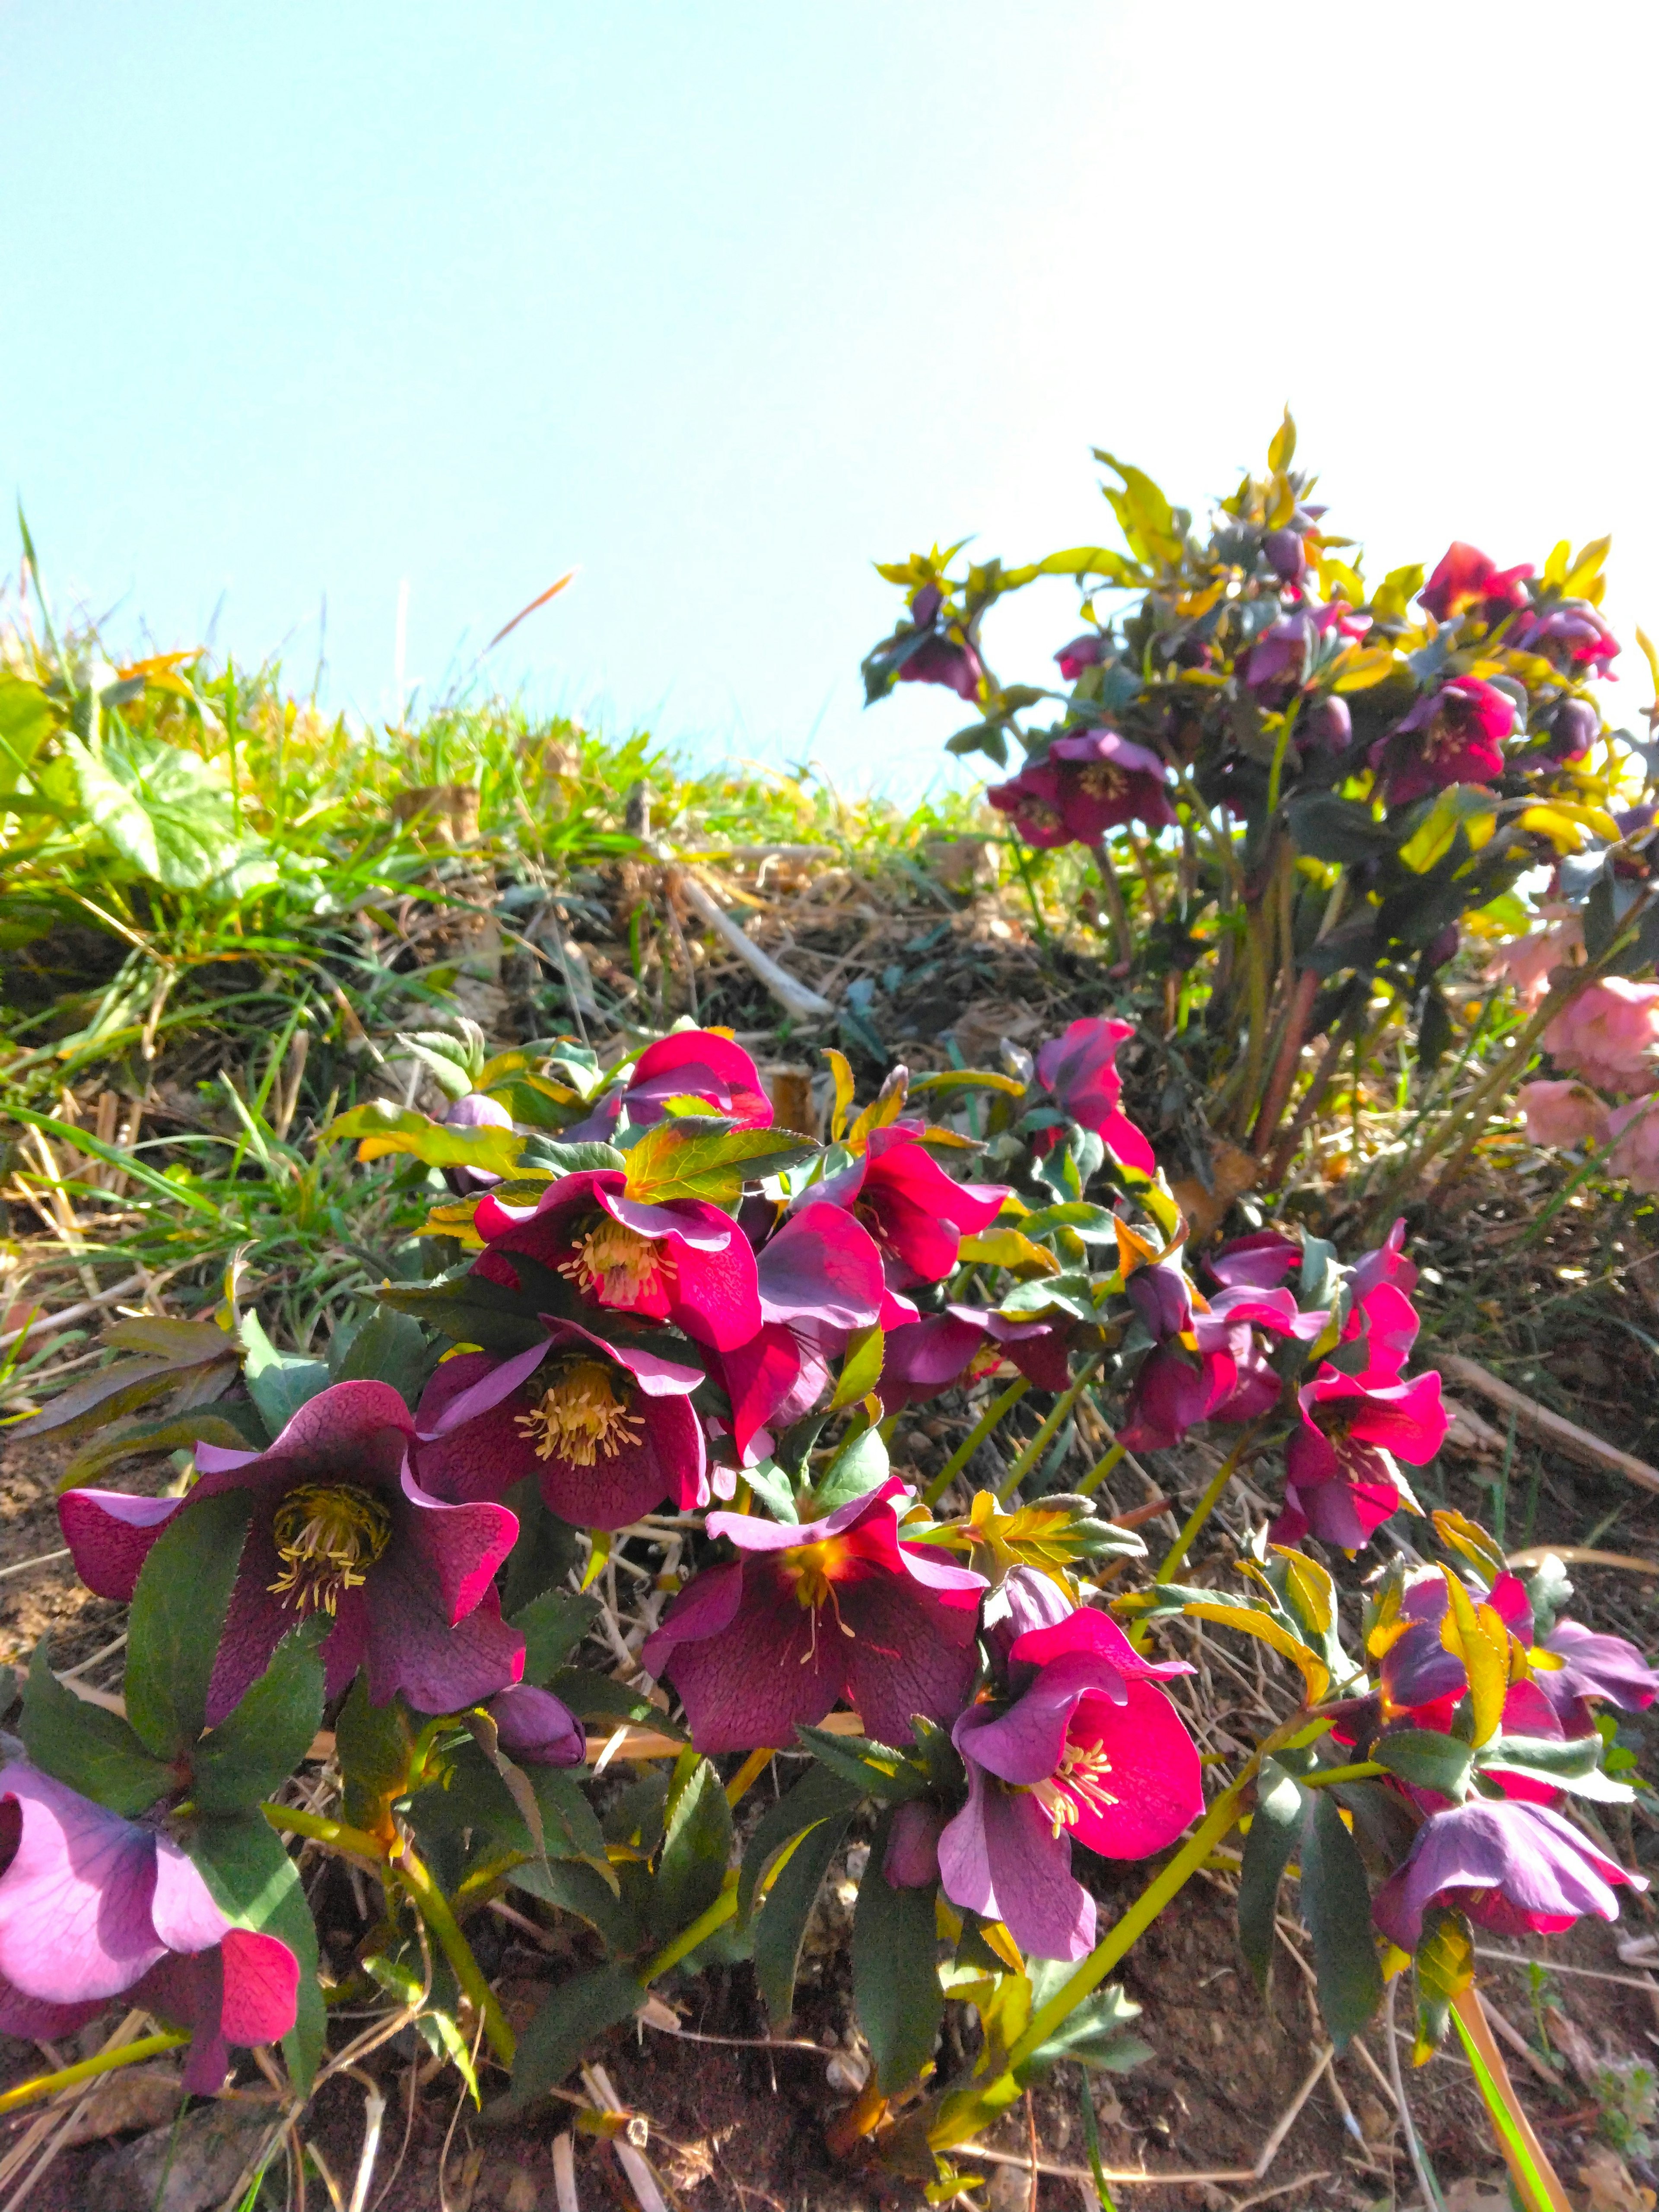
(936, 1352)
(1574, 727)
(93, 1906)
(1281, 652)
(1080, 1069)
(608, 1428)
(1085, 785)
(1609, 1034)
(1466, 580)
(684, 1261)
(537, 1728)
(1387, 1263)
(477, 1110)
(1573, 635)
(917, 1216)
(1085, 1748)
(1340, 1479)
(340, 1526)
(1513, 1867)
(1454, 735)
(1088, 651)
(948, 656)
(1592, 1666)
(1260, 1261)
(837, 1609)
(697, 1063)
(911, 1859)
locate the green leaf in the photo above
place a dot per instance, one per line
(389, 1347)
(178, 1432)
(1427, 1760)
(569, 1824)
(253, 1879)
(1340, 831)
(539, 1156)
(1275, 1830)
(1336, 1905)
(859, 1467)
(896, 1986)
(696, 1844)
(552, 1625)
(27, 721)
(258, 1744)
(93, 1751)
(781, 1923)
(873, 1769)
(1095, 2034)
(666, 1163)
(178, 1616)
(599, 1698)
(373, 1744)
(818, 1796)
(577, 2011)
(860, 1368)
(544, 1553)
(95, 1400)
(574, 1886)
(471, 1312)
(279, 1382)
(167, 813)
(771, 1485)
(381, 1128)
(1444, 1965)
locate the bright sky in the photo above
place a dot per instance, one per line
(722, 302)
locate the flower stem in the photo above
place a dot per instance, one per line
(1321, 1778)
(700, 1929)
(87, 2070)
(1033, 1452)
(355, 1843)
(755, 1765)
(1098, 1472)
(1174, 1558)
(433, 1908)
(975, 1436)
(1536, 2179)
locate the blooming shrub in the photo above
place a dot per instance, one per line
(681, 1341)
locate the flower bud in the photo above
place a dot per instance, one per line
(911, 1856)
(1574, 727)
(537, 1728)
(1286, 554)
(1328, 722)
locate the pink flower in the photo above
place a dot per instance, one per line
(94, 1906)
(933, 1354)
(537, 1728)
(608, 1428)
(947, 654)
(1515, 1868)
(1573, 635)
(1084, 785)
(1609, 1034)
(1635, 1155)
(837, 1609)
(340, 1527)
(1561, 1113)
(1528, 962)
(1468, 580)
(684, 1261)
(701, 1064)
(1080, 1068)
(917, 1216)
(1454, 735)
(1085, 652)
(1085, 1748)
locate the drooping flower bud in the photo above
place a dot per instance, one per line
(1286, 554)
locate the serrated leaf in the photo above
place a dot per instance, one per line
(257, 1745)
(552, 1625)
(781, 1923)
(382, 1128)
(94, 1751)
(1427, 1760)
(95, 1400)
(178, 1616)
(697, 1844)
(374, 1744)
(1095, 2034)
(1006, 1247)
(574, 1886)
(861, 1367)
(896, 1986)
(279, 1382)
(1275, 1832)
(472, 1311)
(579, 2010)
(665, 1163)
(178, 1432)
(1337, 1907)
(820, 1795)
(859, 1467)
(256, 1884)
(874, 1769)
(1250, 1622)
(389, 1347)
(445, 2040)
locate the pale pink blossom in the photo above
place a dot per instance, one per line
(1563, 1113)
(1528, 962)
(1609, 1034)
(1636, 1154)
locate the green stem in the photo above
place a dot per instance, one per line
(357, 1842)
(700, 1929)
(1033, 1452)
(433, 1908)
(89, 2069)
(1322, 1778)
(1102, 1467)
(975, 1436)
(1206, 1505)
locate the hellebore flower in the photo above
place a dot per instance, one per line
(1561, 1113)
(1084, 785)
(1326, 723)
(1635, 1154)
(820, 1277)
(537, 1728)
(1078, 1068)
(608, 1428)
(1591, 1666)
(1528, 962)
(684, 1261)
(1466, 579)
(1574, 727)
(1454, 735)
(1085, 652)
(1513, 1867)
(699, 1064)
(835, 1608)
(948, 656)
(1085, 1748)
(1572, 635)
(340, 1526)
(1609, 1034)
(1280, 653)
(934, 1353)
(1260, 1261)
(917, 1216)
(1340, 1479)
(477, 1110)
(1287, 555)
(1217, 1372)
(94, 1906)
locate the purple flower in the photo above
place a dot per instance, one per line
(1591, 1666)
(1454, 735)
(1085, 652)
(536, 1727)
(93, 1906)
(1086, 1748)
(1574, 727)
(934, 1353)
(1260, 1261)
(1572, 635)
(1085, 785)
(608, 1428)
(917, 1216)
(1467, 578)
(1516, 1868)
(837, 1609)
(1080, 1068)
(1287, 555)
(947, 656)
(1326, 723)
(340, 1527)
(911, 1859)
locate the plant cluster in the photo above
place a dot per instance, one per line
(665, 1337)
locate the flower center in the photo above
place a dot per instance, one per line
(1081, 1774)
(1102, 780)
(987, 1360)
(1039, 814)
(328, 1535)
(815, 1568)
(617, 1265)
(580, 1415)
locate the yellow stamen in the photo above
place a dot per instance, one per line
(328, 1535)
(617, 1265)
(1038, 814)
(580, 1415)
(1081, 1774)
(1102, 780)
(815, 1568)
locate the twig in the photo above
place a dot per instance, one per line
(795, 998)
(1425, 2176)
(373, 2114)
(1553, 1429)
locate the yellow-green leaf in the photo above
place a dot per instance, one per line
(1478, 1637)
(1008, 1248)
(1315, 1674)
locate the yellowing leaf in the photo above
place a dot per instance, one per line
(1651, 657)
(1586, 570)
(840, 1068)
(1133, 1250)
(1315, 1674)
(1008, 1248)
(1281, 450)
(1478, 1637)
(1461, 806)
(1312, 1592)
(1362, 665)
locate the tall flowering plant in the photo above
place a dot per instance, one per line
(678, 1348)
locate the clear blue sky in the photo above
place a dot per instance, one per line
(722, 302)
